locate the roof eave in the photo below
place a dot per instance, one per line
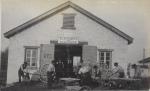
(100, 21)
(63, 6)
(146, 60)
(35, 20)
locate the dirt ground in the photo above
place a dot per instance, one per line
(38, 86)
(31, 87)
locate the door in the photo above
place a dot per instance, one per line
(64, 55)
(89, 54)
(47, 54)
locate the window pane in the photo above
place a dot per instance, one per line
(107, 58)
(101, 58)
(34, 53)
(101, 53)
(107, 54)
(28, 53)
(31, 57)
(107, 63)
(28, 61)
(34, 61)
(33, 64)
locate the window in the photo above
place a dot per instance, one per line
(31, 56)
(68, 21)
(105, 58)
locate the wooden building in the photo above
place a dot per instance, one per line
(66, 32)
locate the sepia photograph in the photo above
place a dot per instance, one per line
(75, 45)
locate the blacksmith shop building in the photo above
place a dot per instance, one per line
(65, 32)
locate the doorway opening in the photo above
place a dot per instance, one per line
(64, 56)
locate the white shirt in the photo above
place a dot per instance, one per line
(25, 69)
(51, 68)
(84, 69)
(118, 69)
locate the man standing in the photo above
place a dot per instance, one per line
(128, 70)
(50, 74)
(21, 71)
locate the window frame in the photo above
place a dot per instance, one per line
(103, 62)
(68, 27)
(37, 58)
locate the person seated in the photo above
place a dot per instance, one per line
(96, 72)
(96, 75)
(118, 71)
(85, 75)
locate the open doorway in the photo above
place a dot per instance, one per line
(64, 58)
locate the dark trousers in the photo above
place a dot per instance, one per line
(85, 79)
(50, 79)
(20, 74)
(121, 75)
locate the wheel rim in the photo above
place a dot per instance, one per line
(43, 73)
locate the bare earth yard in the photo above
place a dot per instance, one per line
(38, 86)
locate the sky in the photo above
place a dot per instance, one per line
(130, 16)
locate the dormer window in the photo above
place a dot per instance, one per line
(68, 21)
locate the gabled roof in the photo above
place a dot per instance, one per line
(146, 60)
(63, 6)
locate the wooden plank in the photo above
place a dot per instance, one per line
(47, 54)
(89, 54)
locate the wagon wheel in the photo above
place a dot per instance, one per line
(43, 73)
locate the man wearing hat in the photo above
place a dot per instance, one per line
(21, 71)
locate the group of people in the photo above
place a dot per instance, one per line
(85, 72)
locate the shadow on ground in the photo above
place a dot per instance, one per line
(31, 86)
(39, 86)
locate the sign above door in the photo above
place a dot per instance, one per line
(67, 38)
